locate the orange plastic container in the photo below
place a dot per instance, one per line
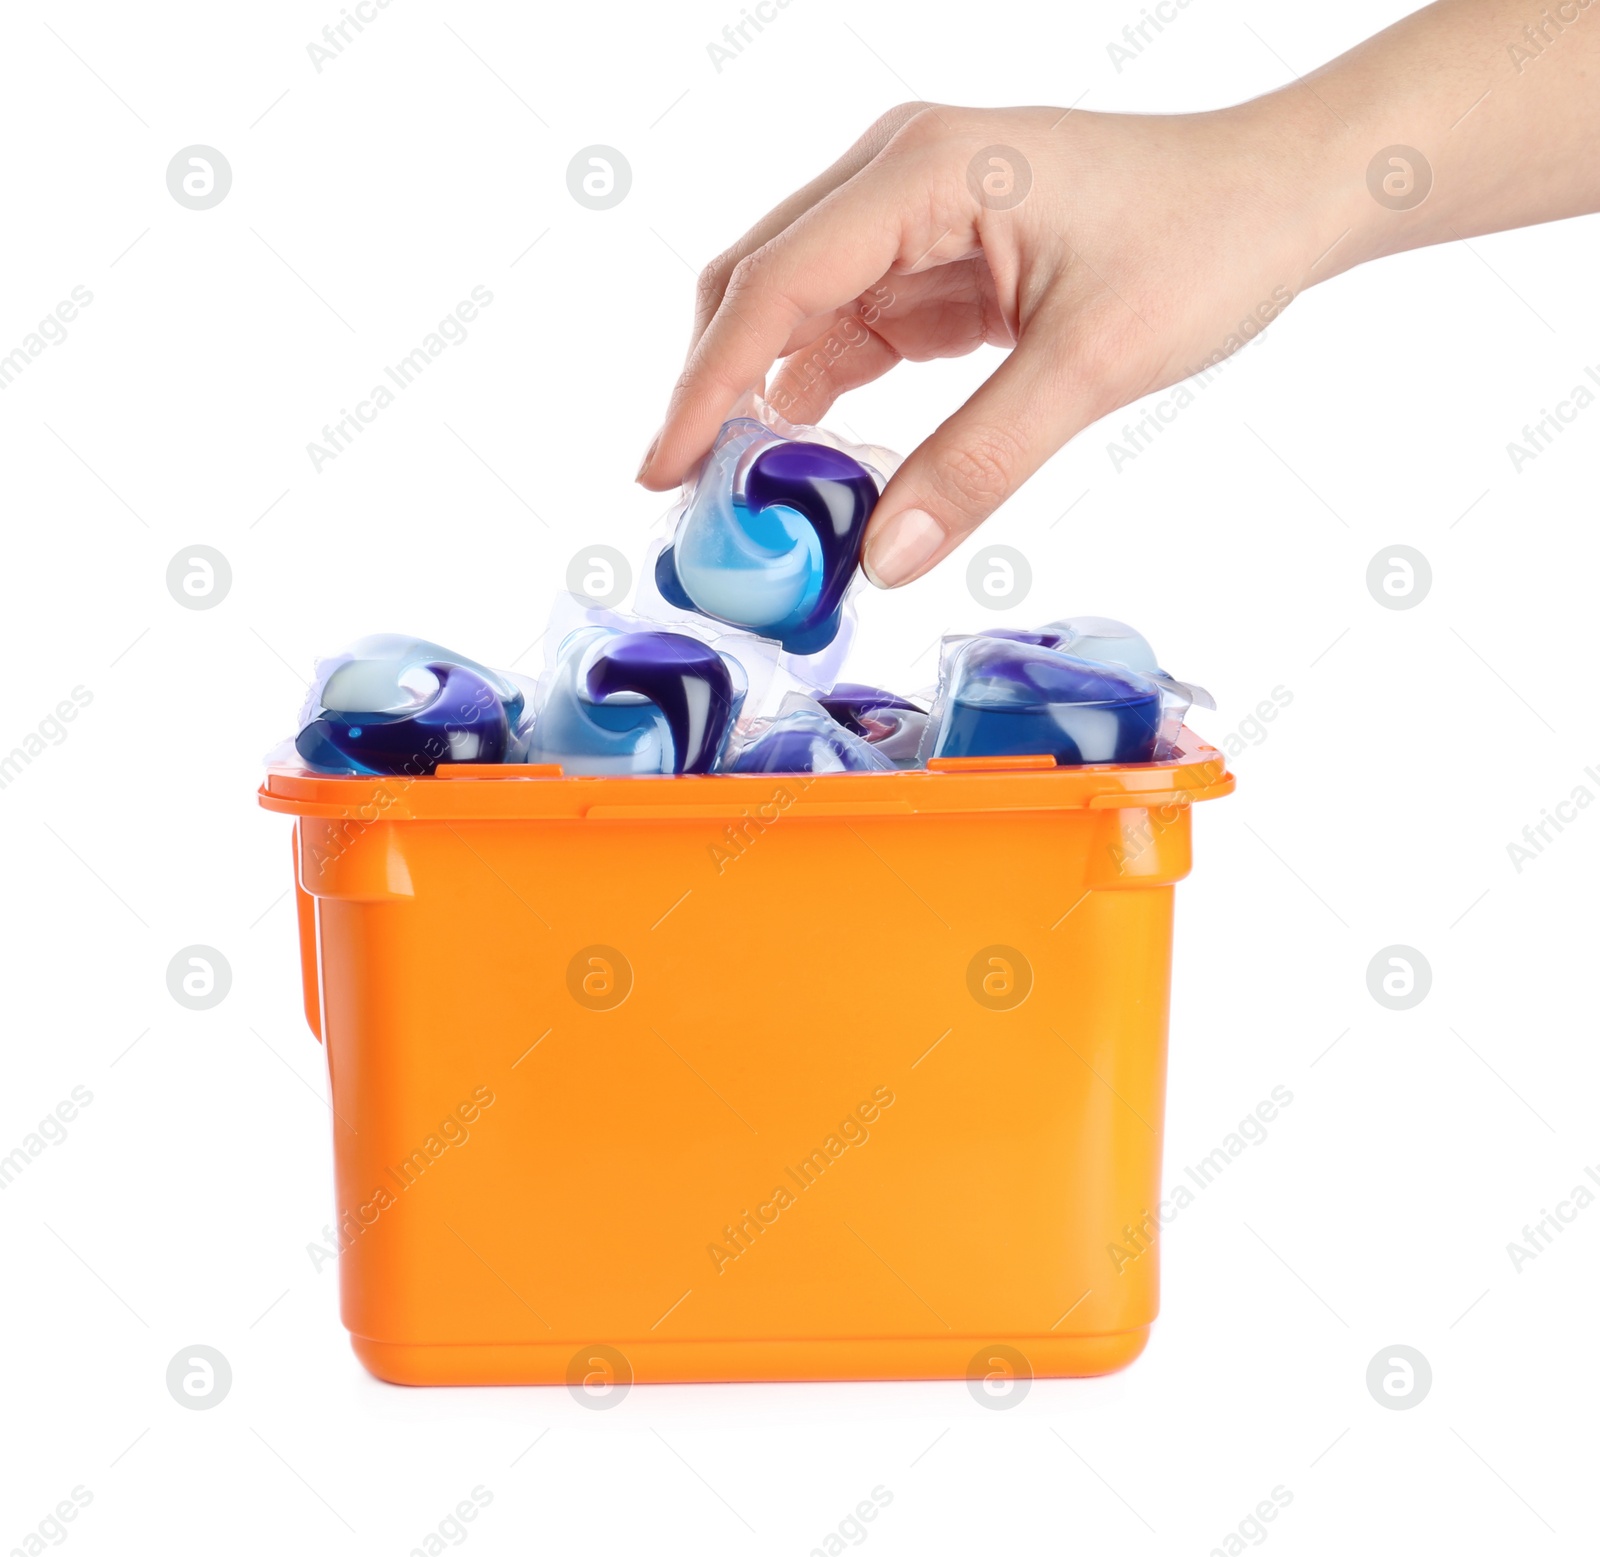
(744, 1077)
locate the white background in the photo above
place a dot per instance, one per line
(367, 201)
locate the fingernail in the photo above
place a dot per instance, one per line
(649, 454)
(901, 547)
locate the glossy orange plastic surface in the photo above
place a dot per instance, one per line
(745, 1077)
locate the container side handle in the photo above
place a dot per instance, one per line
(305, 907)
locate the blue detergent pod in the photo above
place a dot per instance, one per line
(892, 725)
(621, 702)
(392, 704)
(1040, 637)
(770, 540)
(1003, 698)
(805, 738)
(1105, 641)
(1109, 642)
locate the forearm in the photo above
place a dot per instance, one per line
(1141, 247)
(1500, 97)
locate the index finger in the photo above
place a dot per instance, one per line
(825, 259)
(714, 278)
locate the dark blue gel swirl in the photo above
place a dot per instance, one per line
(1042, 639)
(464, 721)
(835, 496)
(686, 679)
(1013, 699)
(800, 751)
(850, 702)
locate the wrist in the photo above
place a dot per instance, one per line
(1430, 132)
(1322, 215)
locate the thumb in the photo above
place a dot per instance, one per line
(1018, 418)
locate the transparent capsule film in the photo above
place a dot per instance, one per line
(1001, 697)
(1192, 692)
(811, 672)
(950, 647)
(767, 538)
(891, 724)
(1175, 705)
(399, 706)
(1099, 641)
(803, 738)
(1110, 642)
(882, 462)
(758, 664)
(1106, 641)
(624, 696)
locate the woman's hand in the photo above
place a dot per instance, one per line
(1117, 254)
